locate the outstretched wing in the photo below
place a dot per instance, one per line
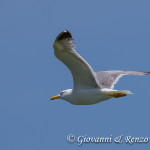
(107, 79)
(83, 74)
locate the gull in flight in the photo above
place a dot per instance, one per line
(89, 87)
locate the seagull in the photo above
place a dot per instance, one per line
(89, 87)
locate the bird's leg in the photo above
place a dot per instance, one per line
(117, 95)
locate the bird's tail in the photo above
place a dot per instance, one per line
(119, 93)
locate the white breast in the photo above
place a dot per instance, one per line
(86, 97)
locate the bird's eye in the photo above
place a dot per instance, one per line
(61, 93)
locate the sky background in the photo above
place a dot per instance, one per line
(109, 34)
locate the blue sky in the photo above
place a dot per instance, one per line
(110, 35)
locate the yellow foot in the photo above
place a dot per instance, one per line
(117, 95)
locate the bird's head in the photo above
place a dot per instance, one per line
(63, 94)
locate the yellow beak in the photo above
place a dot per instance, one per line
(55, 97)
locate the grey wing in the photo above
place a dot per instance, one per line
(83, 74)
(107, 79)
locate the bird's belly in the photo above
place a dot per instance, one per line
(88, 98)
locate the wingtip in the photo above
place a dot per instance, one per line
(64, 35)
(147, 73)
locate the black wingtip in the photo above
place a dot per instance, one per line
(64, 35)
(147, 73)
